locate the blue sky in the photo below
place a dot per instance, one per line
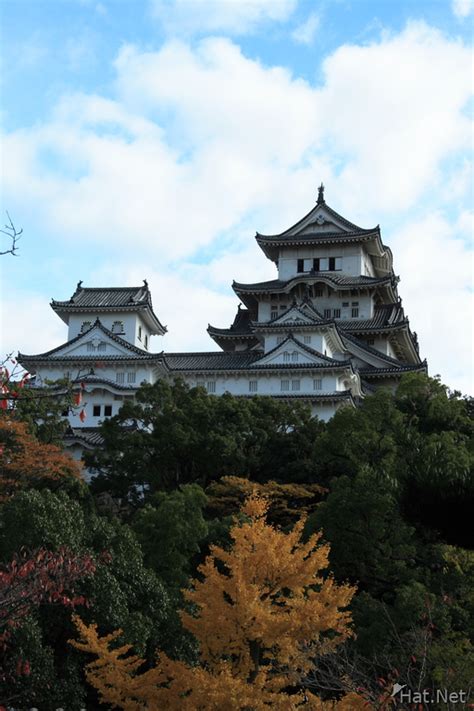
(152, 139)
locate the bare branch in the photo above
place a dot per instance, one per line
(13, 234)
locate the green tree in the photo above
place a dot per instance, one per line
(170, 529)
(174, 435)
(122, 592)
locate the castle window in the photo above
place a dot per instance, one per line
(336, 313)
(280, 339)
(86, 326)
(283, 307)
(370, 341)
(284, 385)
(307, 339)
(294, 356)
(90, 347)
(117, 327)
(146, 342)
(286, 357)
(139, 333)
(273, 312)
(355, 312)
(295, 384)
(300, 265)
(96, 411)
(253, 386)
(131, 377)
(354, 303)
(316, 265)
(335, 264)
(345, 304)
(211, 386)
(318, 292)
(120, 377)
(317, 384)
(327, 313)
(102, 347)
(107, 410)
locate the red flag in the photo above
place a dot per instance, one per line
(77, 398)
(82, 415)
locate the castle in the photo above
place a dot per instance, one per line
(329, 330)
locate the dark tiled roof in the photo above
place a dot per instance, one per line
(88, 435)
(321, 202)
(243, 360)
(240, 326)
(385, 316)
(98, 380)
(317, 237)
(137, 352)
(332, 277)
(369, 349)
(132, 298)
(104, 298)
(212, 360)
(290, 340)
(402, 368)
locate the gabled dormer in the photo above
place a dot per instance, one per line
(125, 311)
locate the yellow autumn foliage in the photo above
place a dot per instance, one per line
(263, 613)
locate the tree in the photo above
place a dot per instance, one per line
(261, 613)
(122, 592)
(287, 502)
(174, 435)
(13, 236)
(169, 530)
(25, 462)
(43, 576)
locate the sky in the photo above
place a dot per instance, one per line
(151, 139)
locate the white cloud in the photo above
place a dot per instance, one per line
(202, 145)
(306, 32)
(184, 17)
(463, 8)
(435, 265)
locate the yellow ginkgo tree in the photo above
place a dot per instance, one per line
(262, 614)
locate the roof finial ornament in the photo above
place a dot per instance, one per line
(320, 194)
(145, 283)
(79, 284)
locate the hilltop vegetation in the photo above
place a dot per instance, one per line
(385, 493)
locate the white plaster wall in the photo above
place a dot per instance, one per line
(58, 372)
(131, 324)
(352, 259)
(268, 384)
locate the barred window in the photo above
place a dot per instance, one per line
(286, 357)
(336, 313)
(253, 386)
(273, 312)
(355, 312)
(280, 339)
(96, 411)
(107, 410)
(295, 384)
(131, 377)
(211, 386)
(294, 356)
(327, 313)
(120, 377)
(317, 384)
(102, 347)
(307, 339)
(284, 385)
